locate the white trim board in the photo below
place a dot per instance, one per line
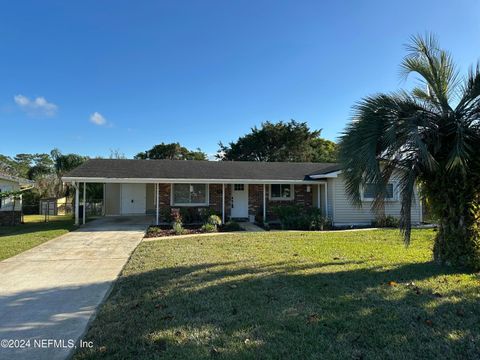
(188, 181)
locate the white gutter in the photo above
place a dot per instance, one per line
(185, 181)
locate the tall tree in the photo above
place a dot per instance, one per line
(8, 166)
(32, 165)
(431, 133)
(281, 141)
(63, 164)
(66, 162)
(323, 150)
(173, 151)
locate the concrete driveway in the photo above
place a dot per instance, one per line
(49, 294)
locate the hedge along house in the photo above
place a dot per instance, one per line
(11, 206)
(240, 190)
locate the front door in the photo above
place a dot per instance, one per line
(133, 198)
(239, 201)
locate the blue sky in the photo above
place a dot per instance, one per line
(90, 76)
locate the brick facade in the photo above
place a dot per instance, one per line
(255, 200)
(301, 197)
(215, 191)
(215, 196)
(6, 217)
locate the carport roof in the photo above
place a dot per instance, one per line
(109, 169)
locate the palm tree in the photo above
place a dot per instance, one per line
(432, 133)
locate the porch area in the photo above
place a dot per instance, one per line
(154, 202)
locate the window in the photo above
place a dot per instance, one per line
(281, 192)
(369, 191)
(238, 187)
(190, 194)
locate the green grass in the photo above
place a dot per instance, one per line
(277, 295)
(16, 239)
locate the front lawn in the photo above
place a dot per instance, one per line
(16, 239)
(298, 295)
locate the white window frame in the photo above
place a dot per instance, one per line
(290, 198)
(394, 198)
(207, 196)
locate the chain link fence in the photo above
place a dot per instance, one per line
(94, 207)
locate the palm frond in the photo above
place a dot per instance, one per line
(435, 66)
(388, 133)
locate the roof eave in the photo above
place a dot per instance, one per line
(90, 179)
(332, 174)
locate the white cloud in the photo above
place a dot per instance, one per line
(36, 107)
(98, 119)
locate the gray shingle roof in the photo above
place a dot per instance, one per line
(192, 169)
(16, 179)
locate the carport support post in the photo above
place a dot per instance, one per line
(318, 197)
(84, 201)
(223, 203)
(264, 204)
(158, 200)
(104, 197)
(326, 200)
(77, 200)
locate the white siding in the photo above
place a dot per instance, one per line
(7, 204)
(345, 213)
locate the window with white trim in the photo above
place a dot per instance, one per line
(370, 189)
(281, 191)
(238, 187)
(190, 194)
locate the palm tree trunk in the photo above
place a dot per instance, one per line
(458, 237)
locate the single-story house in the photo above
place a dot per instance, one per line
(10, 207)
(244, 190)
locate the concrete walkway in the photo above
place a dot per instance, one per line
(51, 292)
(250, 227)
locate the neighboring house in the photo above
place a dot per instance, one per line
(234, 189)
(8, 184)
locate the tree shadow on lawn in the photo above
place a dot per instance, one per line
(288, 311)
(28, 228)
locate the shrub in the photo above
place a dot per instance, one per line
(231, 226)
(292, 217)
(385, 222)
(295, 217)
(175, 215)
(177, 224)
(166, 215)
(152, 231)
(205, 213)
(214, 220)
(209, 228)
(190, 215)
(178, 228)
(317, 220)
